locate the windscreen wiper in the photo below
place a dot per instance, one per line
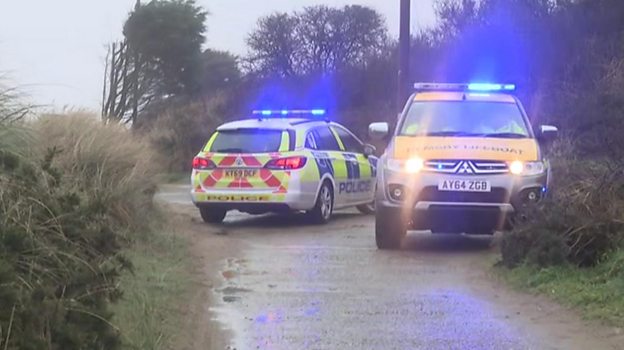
(507, 135)
(451, 133)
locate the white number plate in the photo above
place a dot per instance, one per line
(464, 186)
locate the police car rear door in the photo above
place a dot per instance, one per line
(330, 160)
(360, 169)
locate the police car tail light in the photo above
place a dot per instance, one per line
(200, 163)
(290, 163)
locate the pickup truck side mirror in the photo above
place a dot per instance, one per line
(547, 133)
(378, 131)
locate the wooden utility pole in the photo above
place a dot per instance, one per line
(137, 70)
(404, 55)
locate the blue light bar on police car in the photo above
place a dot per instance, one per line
(491, 87)
(318, 112)
(285, 112)
(480, 87)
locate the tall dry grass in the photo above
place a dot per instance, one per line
(106, 164)
(12, 107)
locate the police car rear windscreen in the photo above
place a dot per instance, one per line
(247, 141)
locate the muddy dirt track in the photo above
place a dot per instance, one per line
(272, 282)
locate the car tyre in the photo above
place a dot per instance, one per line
(212, 215)
(324, 207)
(390, 229)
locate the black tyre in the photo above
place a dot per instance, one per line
(324, 207)
(212, 215)
(367, 209)
(390, 229)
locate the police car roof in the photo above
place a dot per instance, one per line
(268, 123)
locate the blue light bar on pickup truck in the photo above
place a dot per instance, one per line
(480, 87)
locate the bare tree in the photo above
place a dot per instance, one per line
(274, 46)
(116, 83)
(128, 86)
(318, 40)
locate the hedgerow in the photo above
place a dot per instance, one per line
(69, 196)
(580, 222)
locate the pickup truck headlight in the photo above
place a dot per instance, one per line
(411, 165)
(527, 168)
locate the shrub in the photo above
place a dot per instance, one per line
(581, 220)
(64, 208)
(180, 131)
(58, 260)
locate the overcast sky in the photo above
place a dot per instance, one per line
(54, 49)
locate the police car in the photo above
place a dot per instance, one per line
(463, 158)
(282, 161)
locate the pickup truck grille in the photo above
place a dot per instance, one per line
(467, 167)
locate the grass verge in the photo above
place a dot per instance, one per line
(175, 178)
(152, 308)
(595, 291)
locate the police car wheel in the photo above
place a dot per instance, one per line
(324, 207)
(367, 209)
(389, 229)
(212, 215)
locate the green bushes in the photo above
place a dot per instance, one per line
(580, 222)
(570, 247)
(68, 198)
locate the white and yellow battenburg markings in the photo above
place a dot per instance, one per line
(241, 172)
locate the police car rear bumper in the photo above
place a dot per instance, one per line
(258, 200)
